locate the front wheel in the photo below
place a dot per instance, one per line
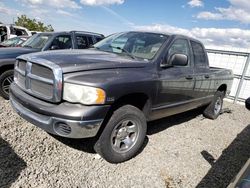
(123, 135)
(5, 80)
(213, 110)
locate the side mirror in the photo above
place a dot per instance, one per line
(176, 60)
(54, 47)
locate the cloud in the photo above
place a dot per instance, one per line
(101, 2)
(195, 3)
(7, 10)
(53, 3)
(210, 16)
(228, 37)
(244, 4)
(63, 12)
(239, 10)
(118, 16)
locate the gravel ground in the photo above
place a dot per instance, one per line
(180, 151)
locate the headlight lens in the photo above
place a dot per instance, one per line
(83, 94)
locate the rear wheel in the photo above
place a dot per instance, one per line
(5, 80)
(123, 135)
(213, 110)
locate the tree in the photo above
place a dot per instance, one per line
(32, 24)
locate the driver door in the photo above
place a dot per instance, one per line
(176, 83)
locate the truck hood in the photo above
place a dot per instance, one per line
(81, 60)
(13, 52)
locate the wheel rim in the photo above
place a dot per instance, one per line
(6, 84)
(124, 136)
(217, 106)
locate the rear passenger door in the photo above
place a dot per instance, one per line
(203, 79)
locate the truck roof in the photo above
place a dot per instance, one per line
(15, 26)
(166, 33)
(67, 32)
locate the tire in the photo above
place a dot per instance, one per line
(6, 79)
(247, 103)
(213, 110)
(123, 135)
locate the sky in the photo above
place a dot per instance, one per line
(217, 23)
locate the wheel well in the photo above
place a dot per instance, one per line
(138, 100)
(222, 88)
(5, 68)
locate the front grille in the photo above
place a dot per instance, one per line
(21, 80)
(39, 78)
(42, 71)
(41, 88)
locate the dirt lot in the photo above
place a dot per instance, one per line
(181, 151)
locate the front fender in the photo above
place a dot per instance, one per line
(118, 82)
(9, 61)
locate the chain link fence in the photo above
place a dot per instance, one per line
(238, 62)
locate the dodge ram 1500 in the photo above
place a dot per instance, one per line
(112, 90)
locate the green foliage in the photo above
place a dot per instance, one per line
(32, 24)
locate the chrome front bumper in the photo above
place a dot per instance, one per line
(58, 126)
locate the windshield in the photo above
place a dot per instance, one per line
(13, 41)
(134, 44)
(37, 41)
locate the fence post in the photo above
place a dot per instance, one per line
(242, 78)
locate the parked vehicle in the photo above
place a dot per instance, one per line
(247, 103)
(11, 31)
(35, 32)
(112, 90)
(242, 180)
(41, 42)
(14, 42)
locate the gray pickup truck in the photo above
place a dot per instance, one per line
(112, 90)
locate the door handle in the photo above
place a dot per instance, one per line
(189, 77)
(207, 76)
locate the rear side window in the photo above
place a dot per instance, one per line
(199, 54)
(62, 42)
(3, 33)
(81, 42)
(90, 39)
(98, 39)
(19, 32)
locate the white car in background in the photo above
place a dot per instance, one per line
(35, 32)
(11, 31)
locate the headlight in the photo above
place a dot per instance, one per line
(83, 94)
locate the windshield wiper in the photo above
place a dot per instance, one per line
(125, 51)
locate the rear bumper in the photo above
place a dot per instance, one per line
(72, 120)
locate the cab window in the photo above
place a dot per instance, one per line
(62, 42)
(180, 46)
(81, 42)
(199, 54)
